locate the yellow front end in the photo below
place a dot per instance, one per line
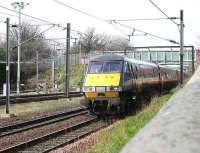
(102, 85)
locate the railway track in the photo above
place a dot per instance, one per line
(14, 92)
(23, 126)
(80, 127)
(39, 97)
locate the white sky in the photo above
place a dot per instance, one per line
(116, 9)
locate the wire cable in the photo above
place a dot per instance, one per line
(144, 19)
(36, 18)
(159, 37)
(34, 36)
(9, 14)
(2, 21)
(42, 20)
(162, 11)
(98, 18)
(80, 11)
(119, 29)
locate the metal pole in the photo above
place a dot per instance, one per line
(20, 6)
(80, 56)
(165, 57)
(181, 46)
(53, 73)
(75, 52)
(67, 61)
(150, 56)
(53, 68)
(193, 59)
(18, 50)
(7, 66)
(37, 69)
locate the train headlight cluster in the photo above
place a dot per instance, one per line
(112, 88)
(88, 89)
(101, 89)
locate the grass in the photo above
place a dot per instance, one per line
(43, 106)
(76, 75)
(113, 140)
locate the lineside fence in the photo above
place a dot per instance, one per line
(47, 76)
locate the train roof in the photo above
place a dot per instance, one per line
(110, 57)
(171, 67)
(114, 57)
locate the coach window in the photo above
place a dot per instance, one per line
(128, 75)
(143, 70)
(133, 70)
(140, 71)
(155, 72)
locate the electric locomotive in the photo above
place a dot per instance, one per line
(112, 82)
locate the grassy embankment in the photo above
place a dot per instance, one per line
(76, 76)
(43, 106)
(114, 139)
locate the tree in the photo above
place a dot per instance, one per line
(117, 43)
(91, 41)
(28, 49)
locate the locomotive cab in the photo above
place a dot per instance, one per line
(102, 86)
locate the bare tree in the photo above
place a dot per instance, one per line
(92, 41)
(28, 49)
(117, 43)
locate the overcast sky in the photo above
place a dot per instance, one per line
(116, 9)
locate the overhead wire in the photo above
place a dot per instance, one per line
(4, 35)
(8, 14)
(119, 29)
(153, 35)
(111, 21)
(17, 17)
(162, 11)
(36, 18)
(45, 21)
(42, 20)
(57, 43)
(24, 15)
(34, 36)
(2, 21)
(144, 19)
(80, 11)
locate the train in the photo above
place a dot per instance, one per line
(113, 82)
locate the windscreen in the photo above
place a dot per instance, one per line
(104, 67)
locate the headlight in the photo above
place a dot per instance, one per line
(112, 88)
(88, 89)
(100, 89)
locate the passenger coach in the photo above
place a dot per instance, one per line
(113, 82)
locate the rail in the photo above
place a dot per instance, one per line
(38, 97)
(23, 126)
(60, 132)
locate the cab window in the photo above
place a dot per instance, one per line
(104, 67)
(95, 67)
(111, 67)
